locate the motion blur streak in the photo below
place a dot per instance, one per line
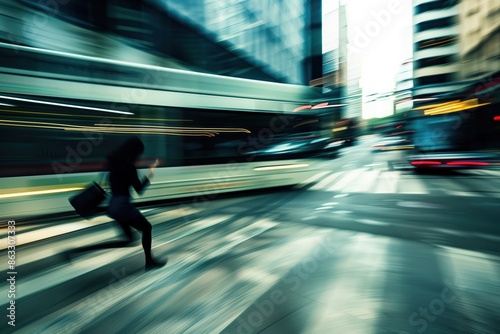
(90, 116)
(425, 163)
(125, 128)
(66, 105)
(470, 163)
(40, 192)
(187, 128)
(199, 153)
(281, 167)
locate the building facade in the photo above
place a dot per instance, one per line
(436, 47)
(479, 38)
(270, 34)
(256, 39)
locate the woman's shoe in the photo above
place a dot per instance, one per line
(154, 264)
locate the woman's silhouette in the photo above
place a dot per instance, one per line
(123, 175)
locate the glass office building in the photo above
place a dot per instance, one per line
(269, 33)
(258, 39)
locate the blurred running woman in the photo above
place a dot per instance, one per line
(122, 176)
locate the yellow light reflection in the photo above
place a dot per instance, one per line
(436, 105)
(454, 107)
(406, 147)
(126, 128)
(39, 192)
(280, 167)
(184, 128)
(340, 129)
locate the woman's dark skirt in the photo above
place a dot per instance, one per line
(121, 209)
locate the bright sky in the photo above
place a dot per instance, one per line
(380, 34)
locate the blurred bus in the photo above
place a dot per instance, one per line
(457, 130)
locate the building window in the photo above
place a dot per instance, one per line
(434, 61)
(491, 15)
(435, 42)
(433, 79)
(436, 24)
(435, 5)
(472, 11)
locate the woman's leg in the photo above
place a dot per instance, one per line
(141, 224)
(111, 244)
(127, 231)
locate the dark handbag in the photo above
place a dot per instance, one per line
(86, 202)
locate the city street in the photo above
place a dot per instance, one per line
(368, 247)
(271, 167)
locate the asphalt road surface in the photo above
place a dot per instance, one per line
(367, 246)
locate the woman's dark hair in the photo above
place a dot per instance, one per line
(129, 151)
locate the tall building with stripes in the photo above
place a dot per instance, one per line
(436, 47)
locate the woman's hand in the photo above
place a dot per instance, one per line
(155, 164)
(152, 168)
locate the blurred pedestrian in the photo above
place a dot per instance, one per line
(122, 176)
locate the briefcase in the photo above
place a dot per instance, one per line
(86, 202)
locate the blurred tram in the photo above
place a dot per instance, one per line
(62, 113)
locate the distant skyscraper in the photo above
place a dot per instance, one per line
(334, 80)
(331, 56)
(354, 96)
(404, 85)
